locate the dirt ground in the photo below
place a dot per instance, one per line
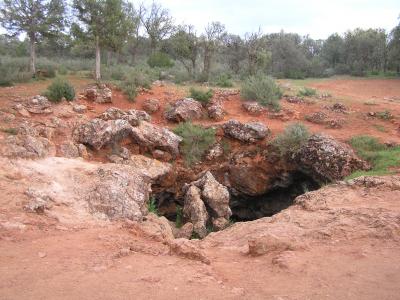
(41, 258)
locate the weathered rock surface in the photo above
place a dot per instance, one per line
(97, 133)
(27, 146)
(98, 94)
(325, 159)
(119, 192)
(71, 150)
(216, 111)
(133, 116)
(151, 106)
(38, 105)
(184, 110)
(188, 249)
(249, 132)
(206, 200)
(154, 137)
(195, 210)
(253, 108)
(363, 208)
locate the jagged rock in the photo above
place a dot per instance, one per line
(335, 123)
(161, 155)
(157, 228)
(216, 151)
(249, 132)
(338, 107)
(220, 223)
(69, 149)
(154, 137)
(149, 168)
(97, 133)
(326, 159)
(184, 232)
(216, 111)
(188, 249)
(294, 99)
(151, 106)
(39, 201)
(318, 117)
(80, 109)
(133, 116)
(119, 191)
(27, 146)
(195, 210)
(214, 195)
(184, 110)
(38, 105)
(22, 111)
(253, 108)
(98, 94)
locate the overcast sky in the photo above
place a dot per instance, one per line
(319, 18)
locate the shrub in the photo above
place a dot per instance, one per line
(224, 80)
(160, 60)
(307, 92)
(196, 141)
(62, 70)
(128, 87)
(152, 206)
(384, 115)
(58, 89)
(262, 89)
(201, 96)
(381, 157)
(11, 131)
(292, 138)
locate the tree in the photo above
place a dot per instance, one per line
(333, 50)
(213, 37)
(184, 47)
(103, 22)
(133, 25)
(157, 22)
(234, 51)
(394, 48)
(258, 57)
(37, 19)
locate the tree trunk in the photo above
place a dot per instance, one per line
(32, 61)
(98, 57)
(207, 64)
(193, 75)
(109, 55)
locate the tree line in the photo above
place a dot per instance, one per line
(119, 30)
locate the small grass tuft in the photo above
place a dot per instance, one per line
(201, 96)
(307, 92)
(152, 206)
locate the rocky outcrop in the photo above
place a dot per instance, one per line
(253, 108)
(98, 93)
(151, 106)
(133, 116)
(216, 111)
(38, 105)
(154, 137)
(118, 191)
(318, 117)
(71, 150)
(195, 210)
(184, 110)
(97, 133)
(325, 159)
(206, 200)
(249, 132)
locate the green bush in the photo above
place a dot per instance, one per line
(62, 70)
(201, 96)
(129, 88)
(381, 157)
(384, 115)
(160, 60)
(11, 131)
(224, 80)
(262, 89)
(58, 89)
(196, 141)
(152, 206)
(292, 138)
(307, 92)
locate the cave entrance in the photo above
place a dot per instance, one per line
(247, 208)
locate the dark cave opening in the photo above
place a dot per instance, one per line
(247, 208)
